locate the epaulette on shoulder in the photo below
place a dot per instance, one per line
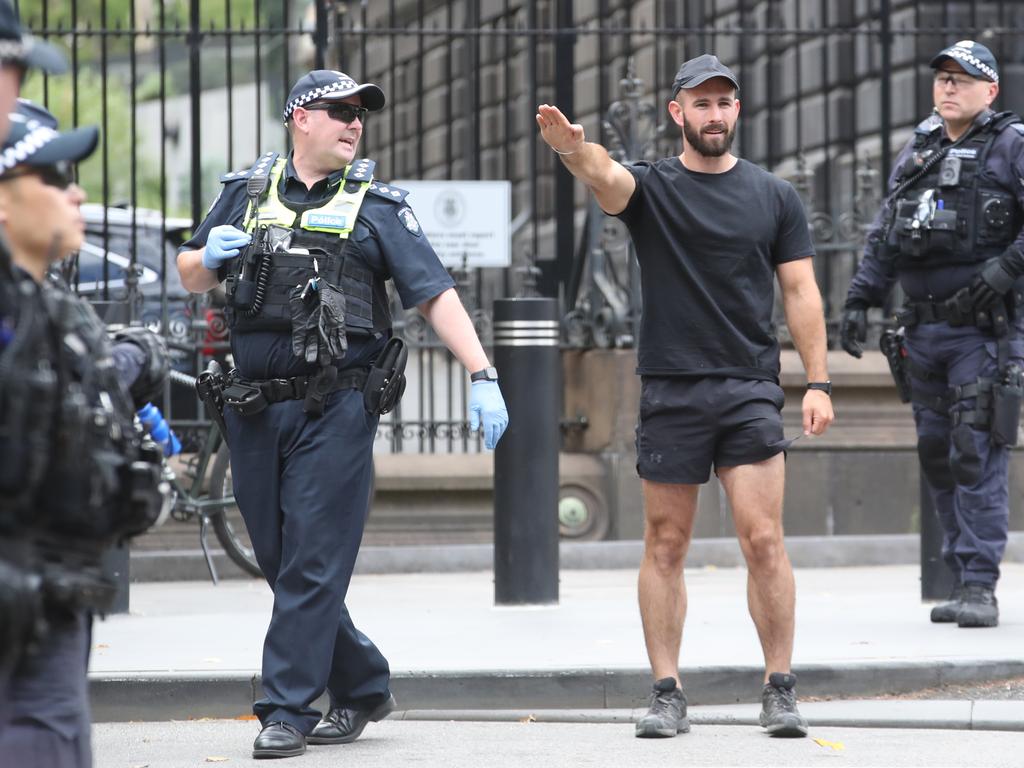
(1004, 120)
(388, 192)
(262, 165)
(360, 170)
(929, 124)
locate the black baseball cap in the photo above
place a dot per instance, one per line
(19, 47)
(976, 60)
(35, 140)
(698, 70)
(323, 84)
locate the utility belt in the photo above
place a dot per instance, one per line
(249, 397)
(382, 385)
(60, 576)
(957, 310)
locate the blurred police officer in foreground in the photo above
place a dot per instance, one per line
(76, 474)
(306, 242)
(950, 232)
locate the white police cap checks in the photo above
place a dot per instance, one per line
(962, 52)
(33, 141)
(344, 83)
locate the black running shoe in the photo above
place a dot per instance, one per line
(979, 608)
(667, 715)
(945, 613)
(779, 715)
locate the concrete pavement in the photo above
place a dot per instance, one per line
(516, 744)
(190, 650)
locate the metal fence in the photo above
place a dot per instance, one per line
(184, 91)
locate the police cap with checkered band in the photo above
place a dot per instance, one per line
(35, 140)
(328, 84)
(976, 60)
(19, 47)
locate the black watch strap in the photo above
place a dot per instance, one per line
(824, 386)
(490, 373)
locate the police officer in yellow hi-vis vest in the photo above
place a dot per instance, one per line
(304, 244)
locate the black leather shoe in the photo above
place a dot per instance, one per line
(279, 740)
(342, 726)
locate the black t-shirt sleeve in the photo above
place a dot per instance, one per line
(793, 240)
(631, 212)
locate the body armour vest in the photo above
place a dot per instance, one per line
(28, 396)
(952, 214)
(103, 483)
(263, 276)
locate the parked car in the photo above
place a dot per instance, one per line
(102, 276)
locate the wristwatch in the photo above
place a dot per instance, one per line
(490, 373)
(824, 386)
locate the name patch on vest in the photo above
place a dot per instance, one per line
(965, 152)
(322, 221)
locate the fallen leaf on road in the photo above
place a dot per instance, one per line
(528, 719)
(217, 759)
(246, 717)
(836, 745)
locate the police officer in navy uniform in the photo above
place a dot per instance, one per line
(950, 231)
(76, 474)
(306, 242)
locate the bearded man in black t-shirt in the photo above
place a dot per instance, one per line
(711, 232)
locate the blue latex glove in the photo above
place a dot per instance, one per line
(156, 425)
(222, 244)
(487, 406)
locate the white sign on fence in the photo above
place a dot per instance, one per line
(467, 222)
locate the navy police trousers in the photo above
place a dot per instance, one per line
(303, 485)
(44, 702)
(967, 474)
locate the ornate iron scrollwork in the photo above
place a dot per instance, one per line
(605, 292)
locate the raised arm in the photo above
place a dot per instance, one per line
(611, 183)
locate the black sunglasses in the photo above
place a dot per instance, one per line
(60, 174)
(340, 111)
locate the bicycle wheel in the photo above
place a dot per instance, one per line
(228, 523)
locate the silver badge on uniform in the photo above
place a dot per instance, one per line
(408, 219)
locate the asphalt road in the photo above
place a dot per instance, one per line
(483, 745)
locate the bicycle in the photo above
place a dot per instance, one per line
(215, 506)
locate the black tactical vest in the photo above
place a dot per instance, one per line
(103, 483)
(274, 274)
(952, 214)
(28, 395)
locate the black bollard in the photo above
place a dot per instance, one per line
(526, 354)
(936, 578)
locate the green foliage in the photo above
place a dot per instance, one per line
(118, 136)
(89, 13)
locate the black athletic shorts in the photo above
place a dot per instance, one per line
(689, 424)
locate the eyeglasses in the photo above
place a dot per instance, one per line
(341, 111)
(60, 174)
(957, 81)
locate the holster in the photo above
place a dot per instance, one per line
(210, 388)
(891, 344)
(385, 382)
(1007, 395)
